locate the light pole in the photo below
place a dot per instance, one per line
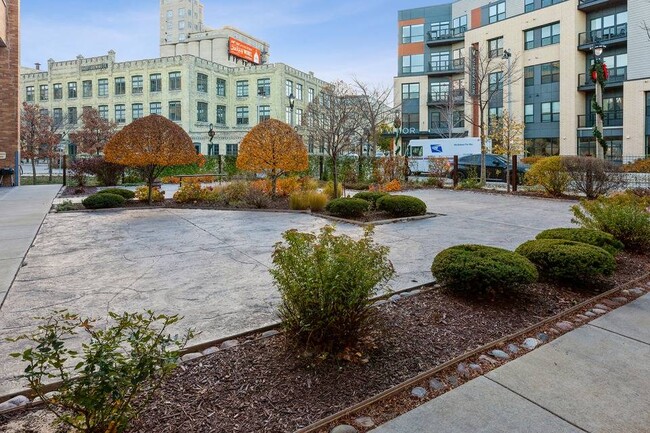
(507, 56)
(599, 75)
(292, 101)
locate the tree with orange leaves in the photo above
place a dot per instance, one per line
(94, 134)
(38, 138)
(272, 148)
(150, 144)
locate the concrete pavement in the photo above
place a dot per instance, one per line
(594, 379)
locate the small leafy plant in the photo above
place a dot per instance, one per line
(122, 362)
(103, 201)
(66, 205)
(348, 207)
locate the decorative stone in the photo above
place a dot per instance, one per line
(190, 356)
(512, 348)
(365, 421)
(625, 291)
(530, 343)
(590, 314)
(380, 303)
(499, 354)
(210, 350)
(411, 293)
(553, 331)
(270, 333)
(620, 299)
(582, 317)
(394, 298)
(6, 406)
(436, 385)
(637, 291)
(419, 392)
(543, 337)
(477, 368)
(564, 326)
(228, 344)
(463, 370)
(452, 380)
(611, 303)
(599, 311)
(344, 428)
(19, 400)
(602, 307)
(487, 359)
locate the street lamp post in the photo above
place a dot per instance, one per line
(599, 82)
(292, 101)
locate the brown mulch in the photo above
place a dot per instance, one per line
(75, 191)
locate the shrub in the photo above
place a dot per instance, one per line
(348, 207)
(283, 188)
(357, 186)
(235, 193)
(326, 283)
(530, 160)
(392, 186)
(299, 201)
(107, 173)
(127, 194)
(142, 194)
(317, 201)
(625, 217)
(371, 197)
(308, 183)
(189, 192)
(550, 174)
(560, 259)
(112, 380)
(402, 205)
(328, 190)
(257, 199)
(638, 166)
(482, 269)
(103, 201)
(65, 206)
(213, 194)
(593, 176)
(587, 236)
(79, 172)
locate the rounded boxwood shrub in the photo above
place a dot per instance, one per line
(587, 236)
(565, 260)
(347, 207)
(402, 205)
(482, 269)
(102, 201)
(127, 194)
(371, 196)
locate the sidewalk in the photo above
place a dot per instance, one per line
(593, 379)
(22, 210)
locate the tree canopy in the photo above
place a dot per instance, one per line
(95, 132)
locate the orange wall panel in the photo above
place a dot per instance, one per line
(410, 49)
(476, 18)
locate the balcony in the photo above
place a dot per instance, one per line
(446, 36)
(443, 98)
(616, 78)
(594, 5)
(447, 67)
(610, 118)
(610, 36)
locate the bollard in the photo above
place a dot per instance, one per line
(455, 171)
(65, 169)
(514, 173)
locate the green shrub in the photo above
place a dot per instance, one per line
(560, 259)
(482, 269)
(371, 197)
(587, 236)
(549, 173)
(235, 192)
(66, 205)
(103, 201)
(127, 194)
(625, 217)
(347, 207)
(326, 283)
(402, 205)
(114, 377)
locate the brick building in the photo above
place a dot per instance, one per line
(9, 74)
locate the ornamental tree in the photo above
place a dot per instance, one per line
(273, 148)
(38, 138)
(507, 135)
(95, 132)
(150, 144)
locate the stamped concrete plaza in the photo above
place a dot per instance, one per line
(212, 266)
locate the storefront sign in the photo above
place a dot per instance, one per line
(244, 51)
(3, 155)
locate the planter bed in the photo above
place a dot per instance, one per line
(263, 386)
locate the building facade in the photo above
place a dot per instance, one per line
(551, 46)
(9, 75)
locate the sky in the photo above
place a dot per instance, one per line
(336, 39)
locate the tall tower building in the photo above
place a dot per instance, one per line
(179, 18)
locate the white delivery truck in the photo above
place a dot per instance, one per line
(420, 151)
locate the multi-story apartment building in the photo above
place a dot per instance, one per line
(551, 44)
(217, 79)
(9, 74)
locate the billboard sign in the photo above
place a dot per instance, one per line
(244, 51)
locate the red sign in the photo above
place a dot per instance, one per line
(244, 51)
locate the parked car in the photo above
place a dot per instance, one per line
(495, 166)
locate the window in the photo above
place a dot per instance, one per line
(102, 87)
(495, 112)
(495, 47)
(120, 113)
(155, 83)
(44, 112)
(242, 115)
(413, 33)
(44, 93)
(221, 87)
(529, 5)
(103, 111)
(439, 29)
(170, 14)
(410, 91)
(242, 88)
(529, 113)
(181, 25)
(496, 81)
(201, 111)
(263, 113)
(288, 115)
(310, 95)
(72, 90)
(298, 116)
(181, 12)
(174, 81)
(458, 117)
(29, 94)
(58, 91)
(299, 92)
(288, 87)
(120, 86)
(137, 84)
(221, 115)
(201, 83)
(264, 87)
(439, 91)
(529, 76)
(155, 108)
(411, 121)
(72, 115)
(413, 64)
(542, 146)
(231, 149)
(529, 39)
(175, 111)
(57, 117)
(551, 72)
(550, 112)
(459, 25)
(213, 149)
(551, 34)
(87, 89)
(497, 12)
(137, 111)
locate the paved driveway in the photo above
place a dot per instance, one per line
(212, 266)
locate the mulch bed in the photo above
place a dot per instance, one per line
(77, 191)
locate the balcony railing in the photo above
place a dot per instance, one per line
(446, 34)
(607, 34)
(610, 118)
(592, 5)
(447, 66)
(458, 97)
(616, 77)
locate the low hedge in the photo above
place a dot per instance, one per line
(103, 201)
(127, 194)
(482, 269)
(402, 205)
(371, 196)
(596, 238)
(565, 260)
(347, 207)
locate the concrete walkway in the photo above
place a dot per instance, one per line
(22, 211)
(593, 379)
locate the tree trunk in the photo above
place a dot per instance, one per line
(49, 163)
(274, 183)
(483, 152)
(33, 170)
(335, 177)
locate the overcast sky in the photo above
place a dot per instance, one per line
(336, 39)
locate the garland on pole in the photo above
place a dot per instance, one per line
(599, 75)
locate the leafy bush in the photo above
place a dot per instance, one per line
(347, 207)
(550, 174)
(625, 217)
(66, 205)
(127, 194)
(257, 199)
(530, 160)
(142, 194)
(103, 201)
(560, 259)
(482, 269)
(402, 205)
(79, 172)
(593, 176)
(357, 186)
(587, 236)
(107, 173)
(371, 197)
(235, 193)
(284, 186)
(122, 362)
(326, 283)
(638, 166)
(299, 201)
(328, 190)
(189, 192)
(392, 186)
(213, 194)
